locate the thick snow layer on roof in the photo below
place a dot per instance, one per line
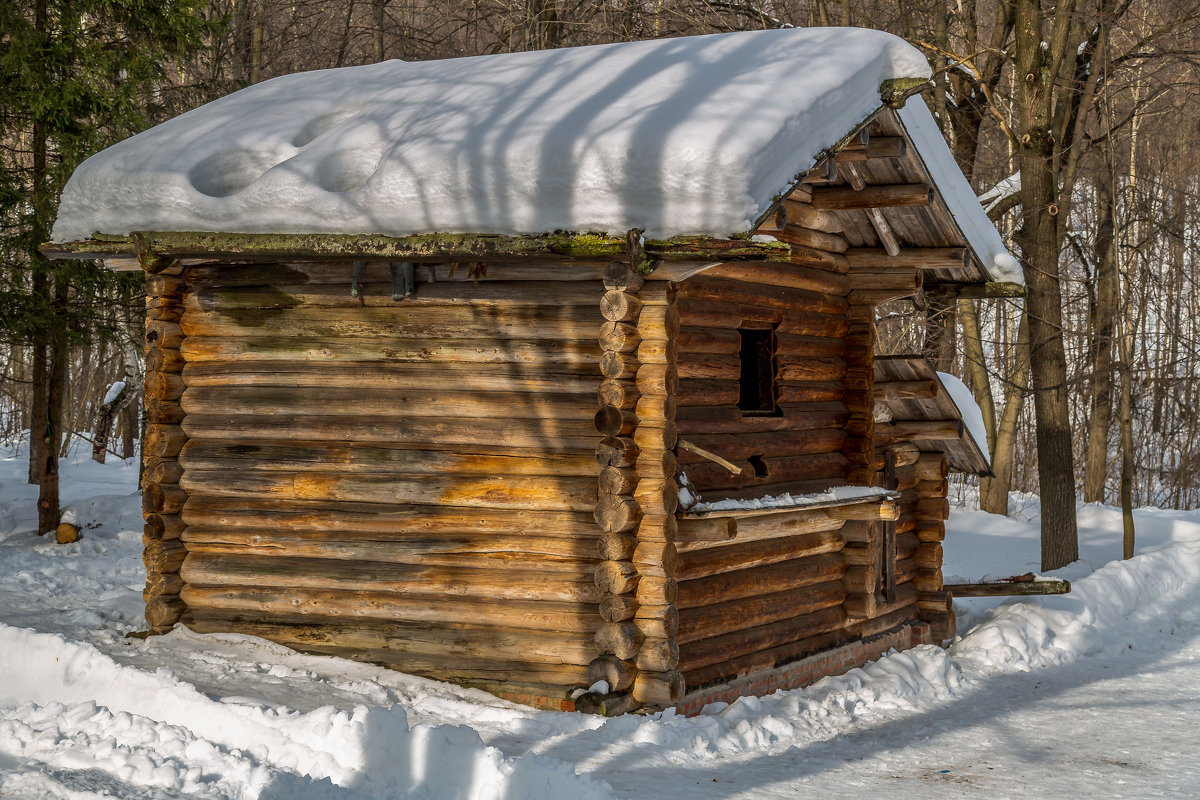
(675, 136)
(972, 416)
(979, 231)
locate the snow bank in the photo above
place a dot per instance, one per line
(694, 135)
(981, 235)
(154, 730)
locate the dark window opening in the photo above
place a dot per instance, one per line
(757, 380)
(759, 466)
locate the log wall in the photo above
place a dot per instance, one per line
(407, 482)
(782, 589)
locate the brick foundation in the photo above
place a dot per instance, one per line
(808, 670)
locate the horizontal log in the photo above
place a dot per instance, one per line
(779, 298)
(200, 349)
(550, 378)
(616, 547)
(657, 655)
(620, 306)
(658, 528)
(1009, 588)
(500, 582)
(901, 279)
(935, 602)
(493, 297)
(817, 240)
(841, 198)
(620, 639)
(793, 276)
(717, 314)
(266, 456)
(659, 322)
(621, 394)
(658, 351)
(400, 321)
(935, 430)
(531, 492)
(618, 674)
(756, 553)
(618, 607)
(657, 622)
(431, 402)
(707, 393)
(549, 435)
(160, 498)
(657, 558)
(163, 386)
(815, 392)
(760, 580)
(163, 612)
(162, 584)
(658, 688)
(709, 366)
(652, 591)
(866, 511)
(161, 333)
(932, 467)
(907, 390)
(801, 369)
(613, 421)
(616, 577)
(727, 647)
(941, 258)
(617, 451)
(166, 527)
(822, 259)
(715, 529)
(720, 618)
(162, 556)
(739, 447)
(616, 513)
(659, 379)
(620, 337)
(767, 527)
(161, 359)
(162, 471)
(811, 346)
(382, 521)
(876, 147)
(927, 581)
(474, 644)
(387, 606)
(803, 215)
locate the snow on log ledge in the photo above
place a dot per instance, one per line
(674, 136)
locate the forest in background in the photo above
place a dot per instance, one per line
(1074, 120)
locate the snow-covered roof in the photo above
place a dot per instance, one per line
(696, 135)
(960, 199)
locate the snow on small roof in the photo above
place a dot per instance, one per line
(960, 199)
(696, 135)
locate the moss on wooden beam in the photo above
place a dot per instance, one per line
(978, 291)
(434, 247)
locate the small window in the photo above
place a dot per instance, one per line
(757, 380)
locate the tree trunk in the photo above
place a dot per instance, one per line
(993, 492)
(1040, 239)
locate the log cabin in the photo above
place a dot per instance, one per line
(552, 373)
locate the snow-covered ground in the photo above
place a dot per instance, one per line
(1093, 694)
